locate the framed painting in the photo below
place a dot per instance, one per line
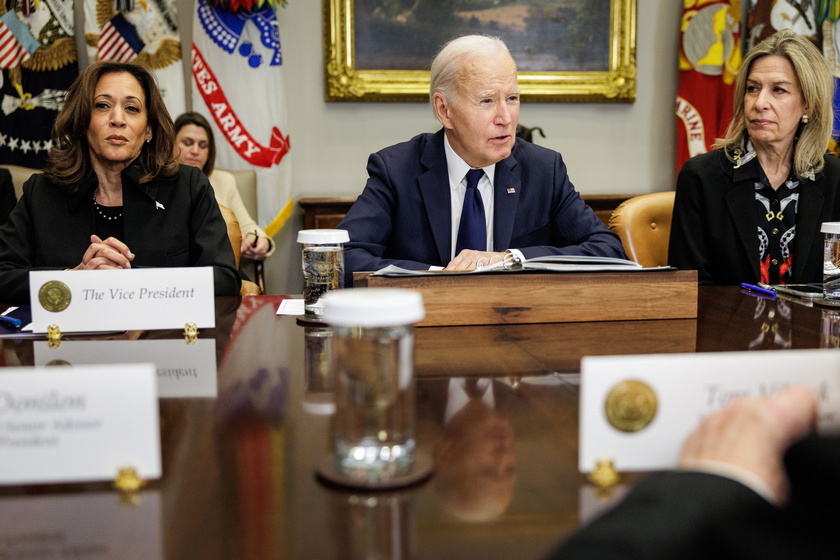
(565, 50)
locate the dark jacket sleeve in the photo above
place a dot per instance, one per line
(571, 227)
(210, 241)
(370, 224)
(684, 515)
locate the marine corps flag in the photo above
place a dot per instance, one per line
(142, 31)
(710, 54)
(237, 69)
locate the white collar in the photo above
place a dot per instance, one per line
(457, 167)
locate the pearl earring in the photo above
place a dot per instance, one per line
(805, 119)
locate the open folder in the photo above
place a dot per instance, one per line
(549, 263)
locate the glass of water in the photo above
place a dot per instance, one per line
(373, 367)
(831, 259)
(322, 260)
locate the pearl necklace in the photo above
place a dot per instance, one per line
(110, 218)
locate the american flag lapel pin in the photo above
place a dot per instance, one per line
(511, 190)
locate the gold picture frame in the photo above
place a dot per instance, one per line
(614, 83)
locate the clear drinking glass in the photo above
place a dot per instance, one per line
(322, 260)
(831, 259)
(373, 369)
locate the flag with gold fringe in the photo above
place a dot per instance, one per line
(142, 31)
(38, 62)
(237, 70)
(710, 54)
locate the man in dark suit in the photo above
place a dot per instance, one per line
(410, 212)
(748, 487)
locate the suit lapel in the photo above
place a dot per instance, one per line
(437, 196)
(740, 201)
(506, 189)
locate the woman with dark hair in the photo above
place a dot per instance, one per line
(112, 195)
(195, 145)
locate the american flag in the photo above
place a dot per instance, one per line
(16, 42)
(119, 41)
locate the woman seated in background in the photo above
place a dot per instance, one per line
(112, 195)
(751, 210)
(194, 145)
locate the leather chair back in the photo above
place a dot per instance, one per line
(644, 225)
(235, 235)
(246, 182)
(19, 176)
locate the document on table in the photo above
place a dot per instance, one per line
(550, 263)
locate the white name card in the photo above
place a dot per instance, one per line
(118, 300)
(183, 370)
(79, 425)
(638, 410)
(81, 526)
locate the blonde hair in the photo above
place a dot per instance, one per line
(817, 86)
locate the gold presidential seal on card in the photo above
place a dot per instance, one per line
(631, 405)
(54, 296)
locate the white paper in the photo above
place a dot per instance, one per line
(291, 307)
(77, 425)
(118, 300)
(688, 387)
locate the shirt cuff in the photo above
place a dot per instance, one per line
(518, 254)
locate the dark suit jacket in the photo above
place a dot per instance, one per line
(8, 200)
(403, 216)
(51, 229)
(714, 228)
(690, 516)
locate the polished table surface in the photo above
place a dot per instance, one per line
(239, 469)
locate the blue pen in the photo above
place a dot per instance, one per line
(11, 321)
(761, 290)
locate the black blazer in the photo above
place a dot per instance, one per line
(714, 229)
(167, 222)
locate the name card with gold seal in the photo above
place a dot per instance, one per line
(78, 424)
(118, 300)
(636, 411)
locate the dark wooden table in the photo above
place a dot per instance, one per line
(238, 470)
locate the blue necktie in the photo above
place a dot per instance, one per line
(472, 232)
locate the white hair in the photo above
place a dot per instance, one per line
(453, 55)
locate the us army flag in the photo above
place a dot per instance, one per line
(143, 31)
(237, 70)
(38, 62)
(710, 54)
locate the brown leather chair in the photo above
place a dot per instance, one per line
(235, 234)
(246, 183)
(644, 225)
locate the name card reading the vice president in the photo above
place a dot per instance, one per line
(116, 300)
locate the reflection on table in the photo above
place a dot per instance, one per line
(239, 468)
